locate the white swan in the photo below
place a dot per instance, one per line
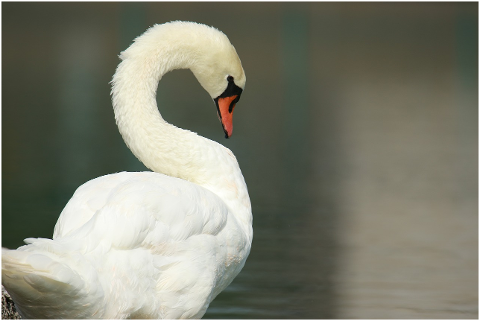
(159, 244)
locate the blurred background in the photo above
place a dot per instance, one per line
(356, 134)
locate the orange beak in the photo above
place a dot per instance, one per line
(225, 107)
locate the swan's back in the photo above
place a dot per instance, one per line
(166, 251)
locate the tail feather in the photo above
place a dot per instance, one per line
(42, 284)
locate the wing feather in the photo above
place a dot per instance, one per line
(166, 228)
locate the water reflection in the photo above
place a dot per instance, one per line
(356, 135)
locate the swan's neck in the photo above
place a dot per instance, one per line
(162, 147)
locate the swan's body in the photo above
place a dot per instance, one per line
(156, 244)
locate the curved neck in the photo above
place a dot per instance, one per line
(162, 147)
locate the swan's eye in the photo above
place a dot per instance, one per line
(232, 89)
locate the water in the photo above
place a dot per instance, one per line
(356, 134)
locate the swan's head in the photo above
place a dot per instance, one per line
(204, 50)
(219, 71)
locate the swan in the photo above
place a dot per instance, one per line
(159, 244)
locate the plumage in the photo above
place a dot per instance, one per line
(159, 244)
